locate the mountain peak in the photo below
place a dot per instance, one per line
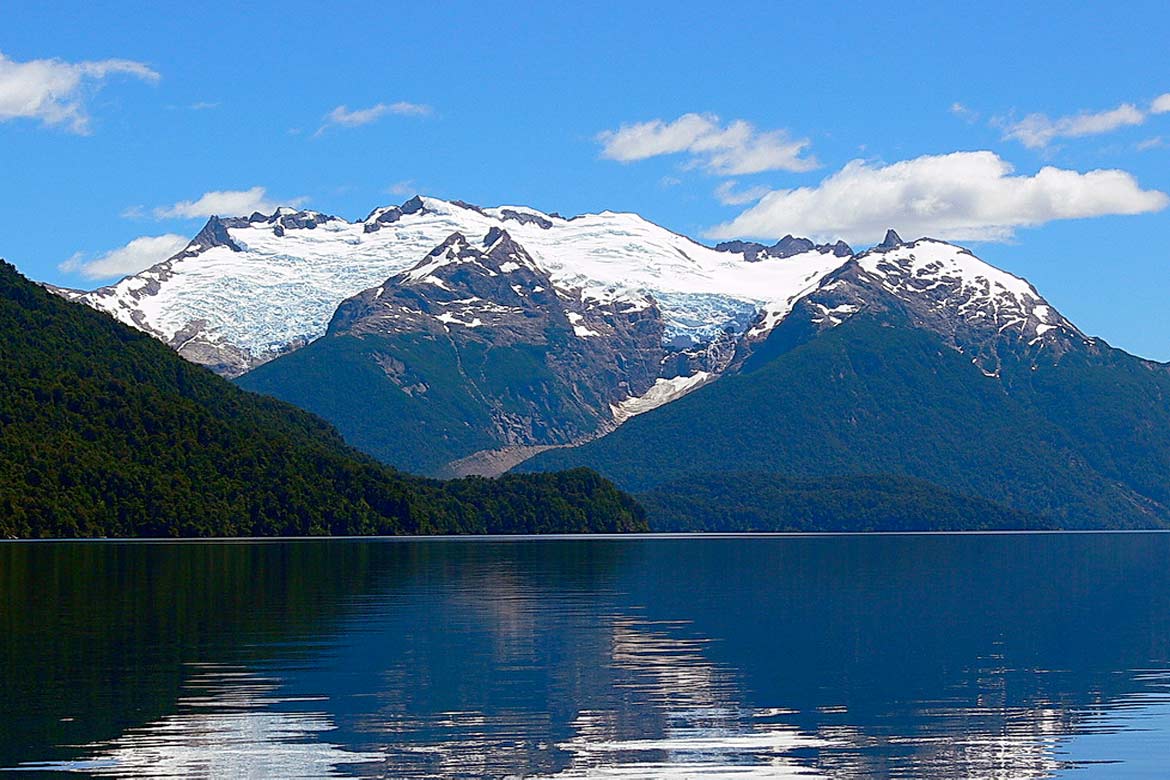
(791, 245)
(494, 236)
(891, 241)
(456, 241)
(388, 215)
(214, 233)
(841, 249)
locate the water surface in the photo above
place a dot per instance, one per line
(966, 656)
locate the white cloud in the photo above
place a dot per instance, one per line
(1157, 142)
(731, 150)
(960, 110)
(1036, 131)
(140, 253)
(402, 188)
(219, 203)
(963, 196)
(53, 91)
(342, 116)
(726, 194)
(1161, 104)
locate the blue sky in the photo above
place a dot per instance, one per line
(1040, 137)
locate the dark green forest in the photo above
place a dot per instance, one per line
(773, 502)
(337, 378)
(104, 431)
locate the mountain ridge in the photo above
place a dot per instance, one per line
(287, 272)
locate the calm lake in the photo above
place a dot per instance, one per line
(966, 656)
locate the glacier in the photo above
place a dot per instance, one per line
(262, 285)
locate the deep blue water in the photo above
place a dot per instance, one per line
(967, 656)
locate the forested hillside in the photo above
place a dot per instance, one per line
(1082, 443)
(104, 431)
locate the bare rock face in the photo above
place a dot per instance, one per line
(389, 215)
(789, 246)
(547, 362)
(712, 357)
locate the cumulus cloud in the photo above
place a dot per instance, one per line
(1161, 104)
(730, 150)
(963, 196)
(140, 253)
(54, 91)
(342, 116)
(726, 194)
(219, 203)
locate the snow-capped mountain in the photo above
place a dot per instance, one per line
(975, 307)
(247, 289)
(474, 352)
(448, 339)
(914, 359)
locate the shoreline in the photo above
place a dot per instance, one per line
(664, 536)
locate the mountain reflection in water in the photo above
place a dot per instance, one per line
(1019, 656)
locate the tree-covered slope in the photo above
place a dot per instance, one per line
(773, 502)
(877, 395)
(339, 378)
(106, 432)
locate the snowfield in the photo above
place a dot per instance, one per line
(284, 286)
(253, 288)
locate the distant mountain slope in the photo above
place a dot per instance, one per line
(105, 431)
(248, 289)
(739, 502)
(878, 394)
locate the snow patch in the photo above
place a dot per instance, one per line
(450, 319)
(663, 392)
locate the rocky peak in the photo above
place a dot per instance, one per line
(749, 249)
(214, 233)
(526, 218)
(493, 235)
(840, 249)
(388, 215)
(891, 241)
(460, 282)
(789, 246)
(975, 307)
(487, 295)
(283, 218)
(469, 206)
